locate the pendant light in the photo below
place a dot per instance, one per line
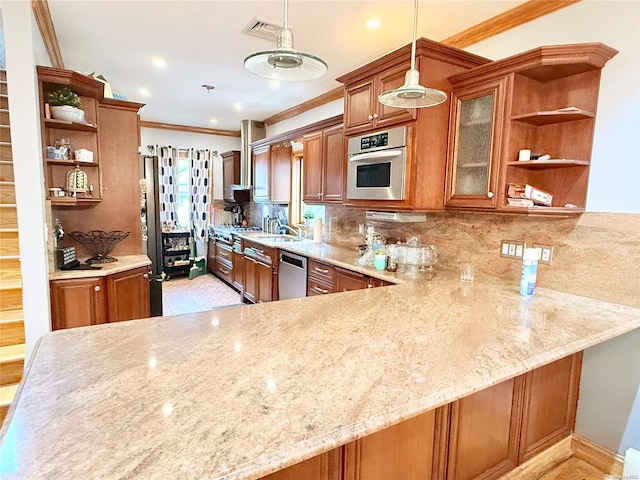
(412, 94)
(284, 62)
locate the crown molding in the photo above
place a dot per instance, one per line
(45, 25)
(189, 129)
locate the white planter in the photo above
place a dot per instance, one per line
(68, 113)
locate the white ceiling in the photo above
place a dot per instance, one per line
(202, 43)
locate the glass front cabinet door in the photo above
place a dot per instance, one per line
(474, 146)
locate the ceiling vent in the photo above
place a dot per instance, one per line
(260, 29)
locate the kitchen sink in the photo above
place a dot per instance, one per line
(279, 238)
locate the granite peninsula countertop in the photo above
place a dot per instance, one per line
(241, 392)
(124, 263)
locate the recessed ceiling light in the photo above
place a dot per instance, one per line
(237, 106)
(159, 62)
(144, 92)
(275, 83)
(213, 120)
(373, 23)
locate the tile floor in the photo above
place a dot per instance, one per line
(181, 295)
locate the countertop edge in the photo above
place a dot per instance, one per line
(124, 263)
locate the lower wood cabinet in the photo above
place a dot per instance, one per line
(250, 279)
(211, 255)
(92, 301)
(260, 273)
(481, 436)
(347, 280)
(128, 295)
(78, 302)
(327, 466)
(550, 403)
(484, 432)
(403, 451)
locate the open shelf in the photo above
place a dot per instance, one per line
(553, 116)
(72, 201)
(70, 163)
(65, 125)
(552, 162)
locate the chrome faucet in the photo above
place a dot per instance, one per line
(297, 230)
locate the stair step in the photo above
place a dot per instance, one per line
(6, 153)
(11, 364)
(11, 327)
(6, 171)
(7, 393)
(10, 298)
(3, 88)
(9, 244)
(3, 75)
(4, 102)
(7, 192)
(4, 117)
(10, 269)
(5, 134)
(8, 217)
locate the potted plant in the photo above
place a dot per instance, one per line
(308, 218)
(65, 105)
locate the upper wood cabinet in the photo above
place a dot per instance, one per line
(230, 172)
(324, 166)
(474, 145)
(272, 173)
(362, 111)
(427, 128)
(545, 101)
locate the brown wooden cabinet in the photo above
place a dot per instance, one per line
(545, 101)
(261, 173)
(346, 280)
(324, 166)
(238, 262)
(362, 111)
(484, 432)
(320, 278)
(260, 273)
(326, 466)
(128, 295)
(474, 145)
(403, 451)
(550, 402)
(272, 173)
(223, 266)
(427, 128)
(78, 302)
(211, 255)
(230, 173)
(96, 300)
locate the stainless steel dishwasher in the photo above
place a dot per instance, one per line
(292, 276)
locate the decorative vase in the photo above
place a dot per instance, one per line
(68, 113)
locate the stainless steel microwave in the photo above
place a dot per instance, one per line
(377, 164)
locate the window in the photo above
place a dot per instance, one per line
(183, 207)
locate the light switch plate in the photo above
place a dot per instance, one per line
(512, 249)
(546, 253)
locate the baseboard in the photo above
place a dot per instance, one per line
(592, 453)
(543, 462)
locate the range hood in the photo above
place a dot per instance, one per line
(400, 217)
(250, 131)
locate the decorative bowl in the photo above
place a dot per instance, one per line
(68, 113)
(99, 243)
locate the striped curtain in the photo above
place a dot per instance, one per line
(200, 163)
(168, 184)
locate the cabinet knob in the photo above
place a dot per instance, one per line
(375, 115)
(319, 194)
(97, 288)
(370, 117)
(370, 286)
(490, 194)
(146, 275)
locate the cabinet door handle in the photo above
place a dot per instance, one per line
(321, 290)
(370, 286)
(321, 270)
(370, 117)
(226, 272)
(261, 252)
(224, 254)
(97, 288)
(490, 194)
(375, 115)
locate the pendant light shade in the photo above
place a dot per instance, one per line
(284, 62)
(412, 94)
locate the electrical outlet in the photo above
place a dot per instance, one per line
(546, 253)
(512, 249)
